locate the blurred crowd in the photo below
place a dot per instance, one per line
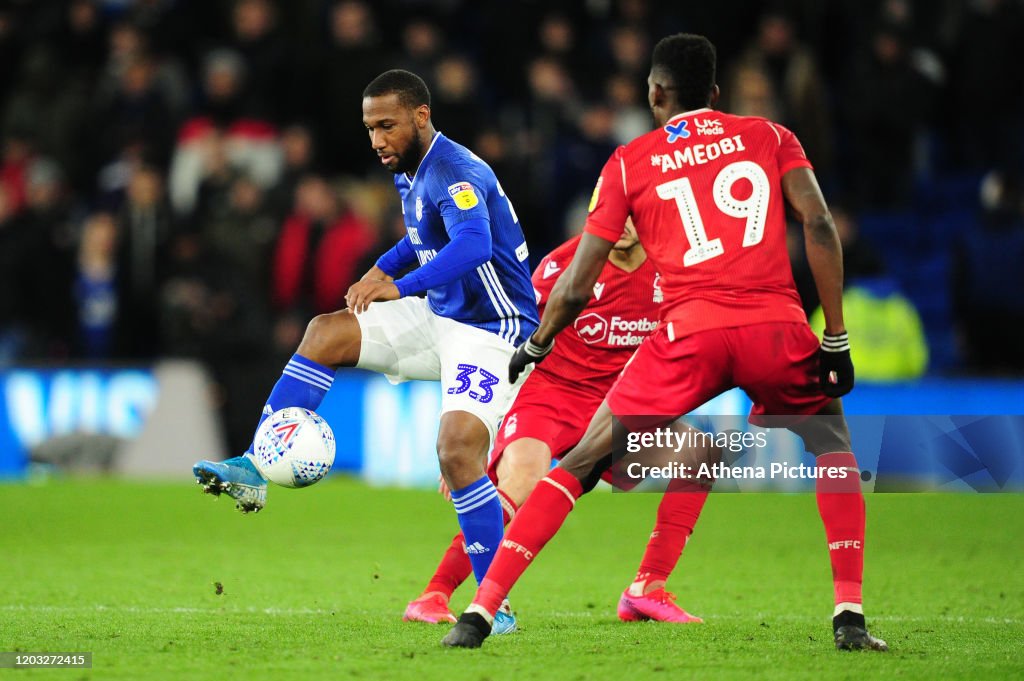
(191, 177)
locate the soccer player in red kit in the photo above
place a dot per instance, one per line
(551, 413)
(707, 192)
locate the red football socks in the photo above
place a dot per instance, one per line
(453, 570)
(536, 522)
(677, 515)
(455, 567)
(841, 505)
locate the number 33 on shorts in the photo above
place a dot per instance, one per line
(476, 380)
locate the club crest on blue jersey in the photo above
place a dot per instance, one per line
(677, 132)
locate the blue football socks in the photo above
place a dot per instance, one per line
(482, 524)
(302, 384)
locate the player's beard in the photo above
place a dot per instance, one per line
(410, 157)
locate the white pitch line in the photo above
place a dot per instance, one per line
(589, 614)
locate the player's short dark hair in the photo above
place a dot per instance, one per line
(689, 61)
(410, 88)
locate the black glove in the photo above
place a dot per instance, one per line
(835, 369)
(526, 354)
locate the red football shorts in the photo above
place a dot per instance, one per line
(775, 363)
(551, 410)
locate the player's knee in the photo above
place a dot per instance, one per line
(329, 339)
(525, 459)
(461, 456)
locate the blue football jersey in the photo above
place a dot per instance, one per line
(451, 185)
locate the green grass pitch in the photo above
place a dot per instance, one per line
(314, 587)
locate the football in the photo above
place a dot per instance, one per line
(294, 447)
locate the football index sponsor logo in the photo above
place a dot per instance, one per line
(619, 332)
(592, 328)
(677, 132)
(463, 195)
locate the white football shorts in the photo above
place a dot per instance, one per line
(404, 340)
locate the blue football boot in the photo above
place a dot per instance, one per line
(238, 478)
(504, 620)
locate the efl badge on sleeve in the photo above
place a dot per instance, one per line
(463, 195)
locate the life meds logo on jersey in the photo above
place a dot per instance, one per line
(677, 132)
(463, 195)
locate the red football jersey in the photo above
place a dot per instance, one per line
(622, 313)
(705, 195)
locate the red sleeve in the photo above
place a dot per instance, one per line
(550, 268)
(542, 285)
(609, 207)
(791, 153)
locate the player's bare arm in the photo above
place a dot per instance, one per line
(824, 252)
(376, 274)
(825, 256)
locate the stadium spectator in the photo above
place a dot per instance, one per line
(15, 270)
(49, 109)
(298, 149)
(987, 44)
(891, 344)
(145, 229)
(793, 73)
(135, 112)
(422, 48)
(630, 118)
(351, 60)
(80, 40)
(317, 251)
(96, 289)
(989, 293)
(888, 104)
(240, 233)
(456, 97)
(267, 65)
(251, 143)
(50, 251)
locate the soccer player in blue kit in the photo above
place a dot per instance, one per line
(480, 306)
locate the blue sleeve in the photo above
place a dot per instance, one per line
(469, 248)
(459, 192)
(398, 258)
